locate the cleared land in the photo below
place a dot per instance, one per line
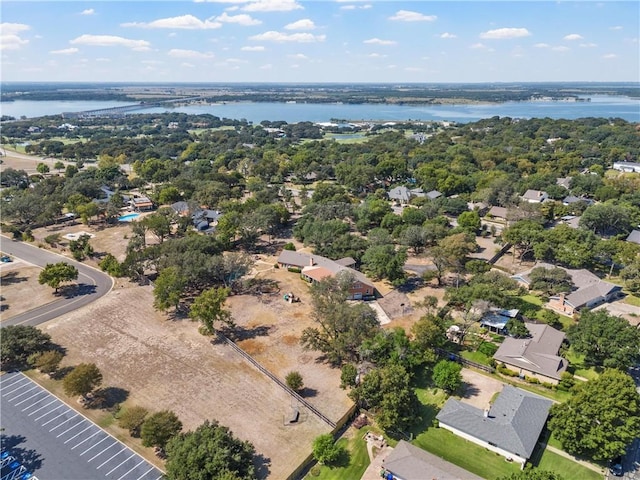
(20, 288)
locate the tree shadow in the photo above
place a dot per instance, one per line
(72, 291)
(240, 333)
(307, 392)
(108, 397)
(468, 390)
(61, 373)
(412, 284)
(261, 464)
(28, 457)
(11, 278)
(344, 457)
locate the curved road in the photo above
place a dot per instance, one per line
(92, 284)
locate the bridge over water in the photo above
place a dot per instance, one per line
(124, 109)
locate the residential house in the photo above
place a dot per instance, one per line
(141, 204)
(498, 213)
(535, 196)
(572, 221)
(315, 268)
(408, 462)
(495, 320)
(536, 356)
(181, 208)
(564, 182)
(627, 167)
(433, 194)
(480, 207)
(570, 200)
(511, 427)
(589, 291)
(403, 195)
(634, 237)
(204, 219)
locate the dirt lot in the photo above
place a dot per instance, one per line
(479, 388)
(166, 364)
(20, 288)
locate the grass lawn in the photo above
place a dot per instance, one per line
(576, 363)
(347, 137)
(632, 300)
(532, 299)
(477, 357)
(565, 467)
(358, 459)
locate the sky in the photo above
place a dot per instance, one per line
(319, 41)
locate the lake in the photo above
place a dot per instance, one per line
(600, 106)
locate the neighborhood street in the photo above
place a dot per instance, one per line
(92, 284)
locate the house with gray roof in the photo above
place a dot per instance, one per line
(403, 195)
(535, 196)
(408, 462)
(627, 167)
(536, 356)
(315, 268)
(564, 182)
(511, 427)
(571, 200)
(634, 237)
(433, 194)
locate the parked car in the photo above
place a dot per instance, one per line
(5, 259)
(615, 467)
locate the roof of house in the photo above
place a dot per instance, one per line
(513, 423)
(180, 207)
(564, 182)
(538, 354)
(535, 195)
(500, 212)
(634, 236)
(498, 318)
(410, 462)
(346, 262)
(400, 193)
(592, 292)
(433, 194)
(141, 201)
(303, 260)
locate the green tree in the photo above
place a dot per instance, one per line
(348, 375)
(533, 474)
(601, 418)
(631, 275)
(517, 328)
(524, 235)
(325, 450)
(48, 361)
(132, 419)
(414, 237)
(446, 375)
(469, 221)
(551, 281)
(605, 340)
(209, 452)
(111, 265)
(159, 427)
(42, 168)
(342, 327)
(58, 166)
(384, 261)
(82, 380)
(80, 248)
(54, 274)
(168, 288)
(208, 307)
(158, 224)
(606, 219)
(19, 342)
(294, 381)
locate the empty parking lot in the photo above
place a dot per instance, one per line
(58, 442)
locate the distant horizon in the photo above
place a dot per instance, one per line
(134, 82)
(320, 42)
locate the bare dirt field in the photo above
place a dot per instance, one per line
(20, 288)
(167, 364)
(479, 388)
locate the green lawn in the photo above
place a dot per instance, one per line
(358, 460)
(563, 466)
(477, 357)
(576, 364)
(632, 300)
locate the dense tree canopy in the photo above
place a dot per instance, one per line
(19, 342)
(158, 428)
(82, 380)
(54, 274)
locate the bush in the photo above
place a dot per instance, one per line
(294, 381)
(532, 380)
(46, 362)
(111, 265)
(489, 349)
(502, 369)
(294, 269)
(27, 236)
(566, 382)
(290, 246)
(52, 239)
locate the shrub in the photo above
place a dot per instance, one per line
(294, 269)
(52, 239)
(111, 265)
(290, 246)
(502, 368)
(532, 380)
(294, 381)
(566, 382)
(27, 236)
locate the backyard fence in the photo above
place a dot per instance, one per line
(457, 358)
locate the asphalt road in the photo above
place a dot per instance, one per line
(54, 441)
(92, 284)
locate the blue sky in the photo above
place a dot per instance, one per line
(320, 41)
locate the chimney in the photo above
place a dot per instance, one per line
(311, 261)
(485, 413)
(539, 193)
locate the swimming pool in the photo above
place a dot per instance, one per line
(128, 217)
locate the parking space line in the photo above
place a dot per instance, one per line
(93, 446)
(16, 389)
(67, 441)
(57, 416)
(88, 438)
(130, 470)
(67, 420)
(44, 415)
(11, 381)
(44, 406)
(28, 398)
(97, 455)
(23, 393)
(143, 475)
(70, 428)
(119, 465)
(109, 459)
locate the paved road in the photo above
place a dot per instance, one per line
(92, 284)
(54, 441)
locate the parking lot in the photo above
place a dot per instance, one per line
(54, 441)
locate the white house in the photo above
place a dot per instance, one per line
(628, 167)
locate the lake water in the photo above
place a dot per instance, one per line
(600, 106)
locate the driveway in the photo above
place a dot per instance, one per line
(479, 389)
(622, 309)
(92, 284)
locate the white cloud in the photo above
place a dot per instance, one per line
(588, 45)
(11, 42)
(88, 11)
(542, 45)
(65, 51)
(272, 6)
(409, 16)
(257, 48)
(573, 36)
(187, 65)
(267, 66)
(103, 59)
(560, 48)
(299, 56)
(505, 33)
(448, 35)
(273, 36)
(609, 56)
(356, 7)
(616, 27)
(481, 46)
(376, 55)
(304, 24)
(185, 22)
(414, 69)
(13, 28)
(110, 41)
(152, 62)
(241, 19)
(180, 53)
(377, 41)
